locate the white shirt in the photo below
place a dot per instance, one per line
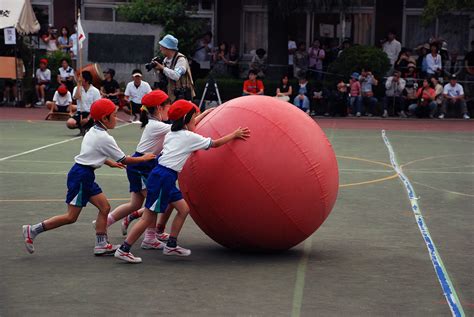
(179, 145)
(392, 49)
(43, 75)
(62, 100)
(66, 73)
(153, 137)
(291, 45)
(433, 63)
(73, 40)
(136, 94)
(97, 146)
(453, 91)
(87, 98)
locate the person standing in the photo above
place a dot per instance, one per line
(291, 54)
(134, 93)
(316, 56)
(392, 48)
(176, 69)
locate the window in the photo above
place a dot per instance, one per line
(102, 10)
(416, 33)
(44, 14)
(255, 29)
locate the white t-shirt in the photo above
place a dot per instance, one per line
(66, 73)
(97, 146)
(179, 145)
(453, 91)
(87, 98)
(62, 100)
(153, 137)
(136, 94)
(392, 49)
(43, 75)
(73, 40)
(291, 45)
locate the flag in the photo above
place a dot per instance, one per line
(81, 36)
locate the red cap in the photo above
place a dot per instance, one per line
(180, 108)
(101, 108)
(62, 90)
(44, 61)
(154, 98)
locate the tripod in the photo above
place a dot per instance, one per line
(213, 92)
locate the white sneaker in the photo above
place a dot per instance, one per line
(152, 245)
(38, 103)
(163, 237)
(28, 239)
(358, 114)
(403, 114)
(178, 251)
(441, 116)
(127, 256)
(466, 116)
(105, 249)
(369, 115)
(124, 225)
(385, 114)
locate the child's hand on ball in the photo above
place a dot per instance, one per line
(242, 133)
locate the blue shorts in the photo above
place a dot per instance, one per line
(81, 185)
(162, 189)
(137, 174)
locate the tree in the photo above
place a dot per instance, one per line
(171, 14)
(434, 8)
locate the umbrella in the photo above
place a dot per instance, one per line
(18, 14)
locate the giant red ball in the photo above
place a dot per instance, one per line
(269, 192)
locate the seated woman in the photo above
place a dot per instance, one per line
(284, 90)
(62, 101)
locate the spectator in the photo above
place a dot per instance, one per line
(233, 61)
(253, 86)
(85, 94)
(319, 103)
(62, 101)
(74, 45)
(346, 44)
(63, 40)
(220, 59)
(331, 53)
(340, 100)
(43, 79)
(421, 61)
(66, 75)
(316, 56)
(302, 99)
(453, 66)
(134, 93)
(410, 73)
(438, 91)
(453, 94)
(284, 90)
(409, 96)
(433, 61)
(469, 67)
(110, 88)
(50, 39)
(392, 48)
(393, 94)
(10, 91)
(425, 105)
(259, 62)
(202, 55)
(403, 60)
(355, 95)
(367, 81)
(301, 61)
(291, 53)
(443, 52)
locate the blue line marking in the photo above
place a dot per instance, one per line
(443, 277)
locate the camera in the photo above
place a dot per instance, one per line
(149, 66)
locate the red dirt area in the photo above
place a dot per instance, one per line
(448, 125)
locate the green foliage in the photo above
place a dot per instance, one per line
(171, 14)
(356, 58)
(434, 8)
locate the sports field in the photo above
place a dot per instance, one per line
(378, 254)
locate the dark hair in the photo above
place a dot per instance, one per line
(253, 71)
(64, 59)
(67, 31)
(136, 70)
(226, 47)
(283, 77)
(260, 52)
(180, 123)
(87, 76)
(144, 115)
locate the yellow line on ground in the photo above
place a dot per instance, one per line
(370, 182)
(443, 190)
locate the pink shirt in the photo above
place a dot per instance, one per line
(355, 88)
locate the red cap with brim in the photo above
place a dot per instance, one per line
(101, 108)
(180, 108)
(154, 98)
(44, 61)
(62, 90)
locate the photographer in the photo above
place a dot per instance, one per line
(176, 69)
(50, 39)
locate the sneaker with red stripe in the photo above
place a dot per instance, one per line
(163, 237)
(125, 224)
(152, 245)
(105, 249)
(28, 239)
(127, 256)
(178, 251)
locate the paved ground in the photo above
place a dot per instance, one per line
(368, 258)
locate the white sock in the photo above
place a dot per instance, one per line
(150, 234)
(110, 220)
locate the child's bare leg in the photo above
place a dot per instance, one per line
(101, 202)
(64, 219)
(149, 217)
(135, 203)
(163, 219)
(182, 209)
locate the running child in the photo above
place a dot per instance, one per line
(178, 145)
(96, 149)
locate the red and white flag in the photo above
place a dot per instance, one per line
(81, 36)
